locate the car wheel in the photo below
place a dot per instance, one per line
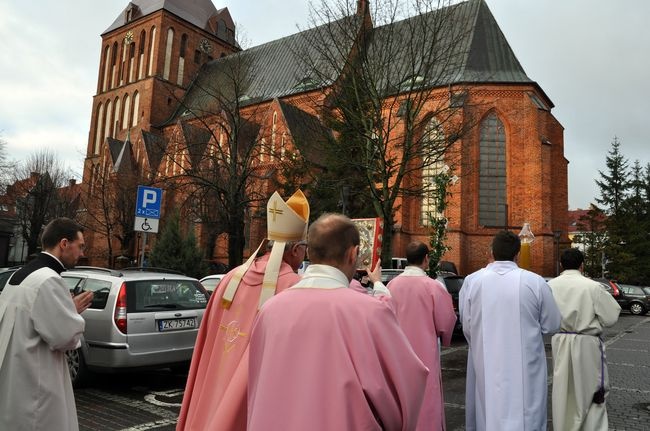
(77, 367)
(637, 309)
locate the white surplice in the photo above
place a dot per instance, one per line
(504, 311)
(38, 323)
(578, 365)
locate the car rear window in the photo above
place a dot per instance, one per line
(160, 295)
(100, 289)
(211, 283)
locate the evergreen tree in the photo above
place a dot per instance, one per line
(646, 190)
(635, 227)
(624, 196)
(613, 184)
(176, 251)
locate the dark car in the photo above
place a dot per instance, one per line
(609, 285)
(453, 283)
(388, 274)
(634, 298)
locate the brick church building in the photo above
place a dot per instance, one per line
(160, 58)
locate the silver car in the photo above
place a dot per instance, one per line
(138, 318)
(211, 282)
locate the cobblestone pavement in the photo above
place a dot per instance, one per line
(151, 400)
(131, 402)
(628, 356)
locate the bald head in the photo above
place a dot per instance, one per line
(330, 238)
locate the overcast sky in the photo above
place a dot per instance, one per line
(589, 56)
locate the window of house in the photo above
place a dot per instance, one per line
(492, 172)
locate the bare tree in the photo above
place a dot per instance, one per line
(6, 166)
(219, 162)
(388, 95)
(36, 184)
(110, 205)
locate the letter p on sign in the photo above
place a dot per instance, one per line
(149, 197)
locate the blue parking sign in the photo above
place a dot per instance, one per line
(148, 202)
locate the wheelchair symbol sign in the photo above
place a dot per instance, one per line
(145, 224)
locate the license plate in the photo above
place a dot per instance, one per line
(176, 324)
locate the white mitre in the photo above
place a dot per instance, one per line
(285, 222)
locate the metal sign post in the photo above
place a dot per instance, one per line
(147, 213)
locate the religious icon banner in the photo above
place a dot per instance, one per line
(371, 233)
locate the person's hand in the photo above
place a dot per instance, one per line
(375, 275)
(82, 301)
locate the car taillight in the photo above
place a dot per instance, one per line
(120, 310)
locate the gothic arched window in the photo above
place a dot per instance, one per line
(152, 46)
(126, 112)
(492, 173)
(114, 65)
(116, 122)
(136, 108)
(99, 122)
(181, 60)
(433, 164)
(141, 43)
(109, 119)
(107, 57)
(168, 53)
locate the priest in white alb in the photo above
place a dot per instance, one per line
(580, 378)
(505, 310)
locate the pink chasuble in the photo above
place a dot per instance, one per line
(425, 312)
(215, 394)
(331, 359)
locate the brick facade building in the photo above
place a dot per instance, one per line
(159, 59)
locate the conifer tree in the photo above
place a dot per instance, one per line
(635, 227)
(613, 184)
(623, 196)
(176, 251)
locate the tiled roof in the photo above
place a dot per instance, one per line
(196, 139)
(472, 50)
(196, 12)
(121, 154)
(154, 146)
(462, 43)
(307, 131)
(264, 72)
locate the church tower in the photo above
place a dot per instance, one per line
(150, 54)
